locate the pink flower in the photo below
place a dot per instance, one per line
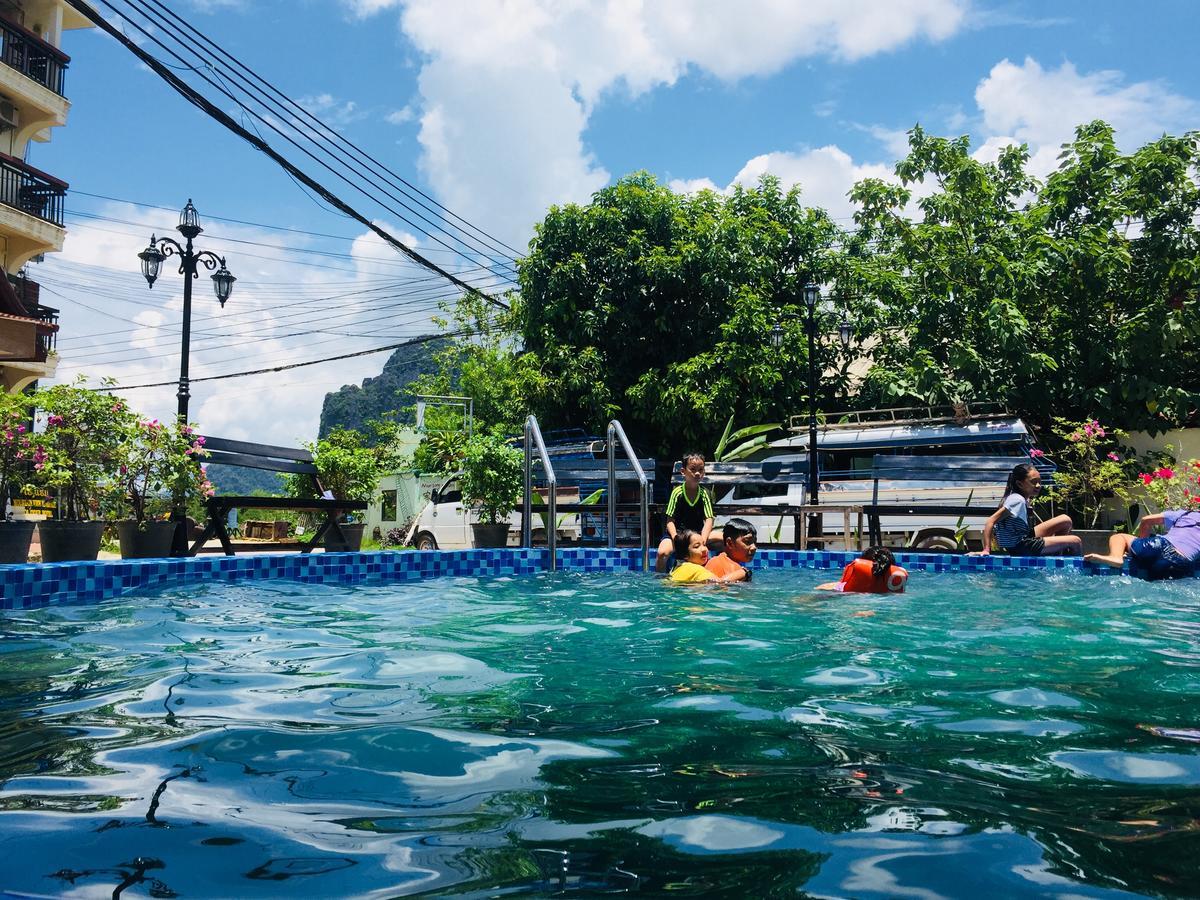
(20, 429)
(1115, 457)
(1146, 478)
(1036, 454)
(54, 420)
(1164, 473)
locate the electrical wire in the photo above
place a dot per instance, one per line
(215, 112)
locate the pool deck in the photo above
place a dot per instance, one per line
(36, 585)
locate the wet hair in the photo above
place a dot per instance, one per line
(688, 457)
(1020, 472)
(735, 528)
(683, 543)
(881, 559)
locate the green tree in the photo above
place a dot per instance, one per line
(1076, 298)
(657, 308)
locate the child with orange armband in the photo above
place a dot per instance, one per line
(875, 572)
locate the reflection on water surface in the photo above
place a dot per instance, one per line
(584, 734)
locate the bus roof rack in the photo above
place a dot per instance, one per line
(955, 413)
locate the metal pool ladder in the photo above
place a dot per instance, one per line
(533, 435)
(615, 431)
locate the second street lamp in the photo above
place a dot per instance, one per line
(812, 298)
(190, 261)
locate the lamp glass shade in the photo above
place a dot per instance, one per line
(812, 294)
(223, 281)
(776, 335)
(189, 217)
(845, 332)
(151, 259)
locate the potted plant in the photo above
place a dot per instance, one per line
(82, 448)
(1092, 471)
(348, 469)
(19, 453)
(491, 481)
(158, 465)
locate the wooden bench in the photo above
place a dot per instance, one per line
(991, 470)
(272, 459)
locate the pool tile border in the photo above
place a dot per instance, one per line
(36, 585)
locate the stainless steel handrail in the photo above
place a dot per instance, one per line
(533, 434)
(615, 430)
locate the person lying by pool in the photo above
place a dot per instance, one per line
(1175, 554)
(741, 543)
(1010, 523)
(875, 572)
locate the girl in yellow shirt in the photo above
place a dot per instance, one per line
(691, 548)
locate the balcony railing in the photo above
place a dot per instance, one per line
(33, 57)
(30, 190)
(28, 293)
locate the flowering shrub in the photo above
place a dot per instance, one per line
(393, 538)
(1173, 487)
(158, 464)
(81, 446)
(21, 454)
(1092, 468)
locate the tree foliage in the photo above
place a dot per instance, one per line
(964, 279)
(1075, 299)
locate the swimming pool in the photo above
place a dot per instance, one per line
(604, 732)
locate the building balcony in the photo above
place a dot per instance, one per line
(31, 212)
(33, 57)
(27, 334)
(31, 190)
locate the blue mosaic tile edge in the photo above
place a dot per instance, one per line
(35, 585)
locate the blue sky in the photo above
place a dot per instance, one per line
(500, 108)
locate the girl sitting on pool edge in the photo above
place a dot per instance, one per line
(875, 572)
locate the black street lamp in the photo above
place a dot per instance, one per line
(812, 298)
(190, 261)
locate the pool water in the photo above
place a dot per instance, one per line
(574, 733)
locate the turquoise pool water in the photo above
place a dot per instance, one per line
(605, 733)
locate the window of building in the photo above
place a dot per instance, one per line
(389, 506)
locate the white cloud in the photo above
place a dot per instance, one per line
(825, 176)
(284, 309)
(507, 86)
(400, 116)
(331, 110)
(1016, 104)
(1041, 107)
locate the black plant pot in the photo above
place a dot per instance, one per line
(152, 541)
(491, 534)
(15, 538)
(354, 536)
(68, 541)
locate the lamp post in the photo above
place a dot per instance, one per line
(811, 295)
(190, 261)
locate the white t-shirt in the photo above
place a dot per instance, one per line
(1012, 528)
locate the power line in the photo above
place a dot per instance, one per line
(273, 108)
(283, 368)
(333, 135)
(258, 143)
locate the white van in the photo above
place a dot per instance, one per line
(444, 523)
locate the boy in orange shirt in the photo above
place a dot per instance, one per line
(741, 543)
